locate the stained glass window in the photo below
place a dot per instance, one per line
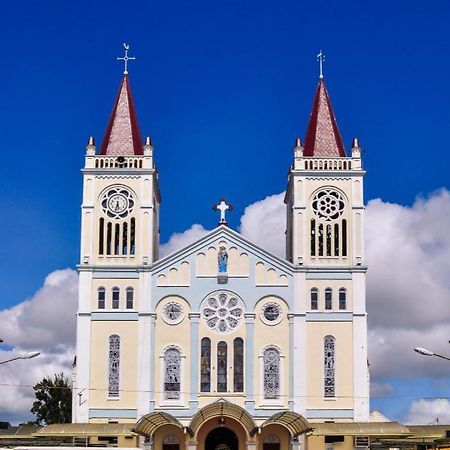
(271, 361)
(114, 365)
(172, 375)
(205, 365)
(329, 374)
(238, 364)
(342, 299)
(222, 366)
(328, 299)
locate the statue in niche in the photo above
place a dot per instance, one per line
(222, 259)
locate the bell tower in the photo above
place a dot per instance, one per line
(119, 242)
(324, 241)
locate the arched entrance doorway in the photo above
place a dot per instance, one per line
(221, 439)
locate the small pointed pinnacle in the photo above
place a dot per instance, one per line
(355, 143)
(91, 141)
(148, 141)
(298, 142)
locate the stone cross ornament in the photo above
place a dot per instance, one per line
(222, 207)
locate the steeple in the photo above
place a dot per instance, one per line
(322, 136)
(122, 136)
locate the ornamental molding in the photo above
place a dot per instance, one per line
(271, 313)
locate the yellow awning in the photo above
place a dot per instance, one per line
(85, 429)
(147, 424)
(223, 409)
(295, 423)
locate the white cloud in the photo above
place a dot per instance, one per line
(44, 323)
(428, 412)
(180, 240)
(264, 223)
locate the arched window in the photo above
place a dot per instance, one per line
(115, 298)
(101, 296)
(108, 238)
(205, 365)
(313, 237)
(117, 239)
(222, 366)
(101, 233)
(114, 366)
(130, 297)
(132, 236)
(328, 298)
(329, 373)
(238, 365)
(271, 361)
(125, 239)
(314, 298)
(342, 298)
(172, 375)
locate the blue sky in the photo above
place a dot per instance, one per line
(223, 88)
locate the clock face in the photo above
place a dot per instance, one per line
(117, 204)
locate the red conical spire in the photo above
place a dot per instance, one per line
(322, 136)
(122, 136)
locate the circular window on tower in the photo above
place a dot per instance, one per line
(271, 313)
(117, 203)
(173, 313)
(328, 204)
(222, 311)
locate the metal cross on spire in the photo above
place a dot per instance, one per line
(222, 207)
(126, 58)
(321, 59)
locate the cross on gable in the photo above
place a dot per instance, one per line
(222, 207)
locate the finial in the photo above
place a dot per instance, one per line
(148, 141)
(355, 143)
(91, 141)
(222, 207)
(321, 59)
(298, 142)
(126, 58)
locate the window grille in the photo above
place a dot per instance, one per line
(114, 365)
(342, 299)
(115, 298)
(172, 375)
(328, 299)
(271, 361)
(329, 372)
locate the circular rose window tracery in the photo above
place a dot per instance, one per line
(328, 204)
(117, 202)
(222, 311)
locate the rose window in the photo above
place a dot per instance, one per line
(271, 313)
(173, 312)
(328, 204)
(117, 203)
(222, 312)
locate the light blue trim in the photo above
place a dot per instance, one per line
(329, 317)
(152, 358)
(329, 413)
(328, 275)
(195, 359)
(291, 354)
(112, 315)
(249, 356)
(117, 274)
(112, 413)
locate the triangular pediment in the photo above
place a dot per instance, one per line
(233, 242)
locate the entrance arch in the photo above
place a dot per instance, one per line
(221, 438)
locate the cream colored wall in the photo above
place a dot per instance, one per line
(266, 336)
(101, 330)
(335, 285)
(109, 284)
(279, 431)
(168, 335)
(166, 430)
(266, 275)
(177, 275)
(343, 334)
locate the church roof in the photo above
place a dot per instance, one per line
(322, 135)
(122, 136)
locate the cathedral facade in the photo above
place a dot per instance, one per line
(221, 345)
